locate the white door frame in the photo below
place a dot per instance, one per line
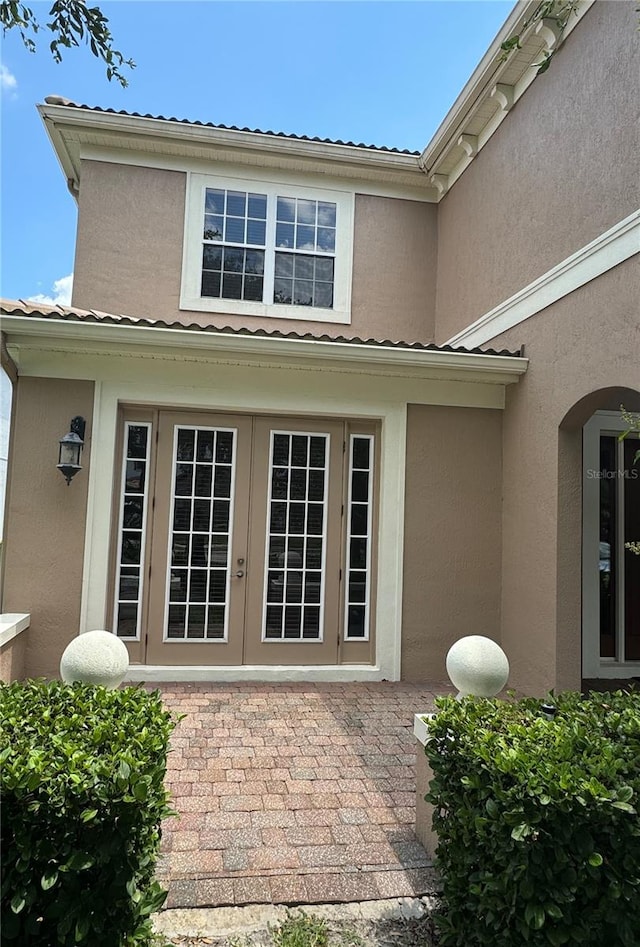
(594, 666)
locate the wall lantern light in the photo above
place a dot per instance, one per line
(71, 449)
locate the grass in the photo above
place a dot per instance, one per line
(300, 930)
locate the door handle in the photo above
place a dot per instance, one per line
(239, 574)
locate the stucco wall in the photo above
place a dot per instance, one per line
(452, 549)
(560, 170)
(129, 257)
(586, 346)
(45, 529)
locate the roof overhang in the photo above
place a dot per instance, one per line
(492, 91)
(28, 333)
(75, 130)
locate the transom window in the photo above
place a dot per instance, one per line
(268, 249)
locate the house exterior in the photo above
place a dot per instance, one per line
(344, 404)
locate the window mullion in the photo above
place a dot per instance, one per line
(270, 251)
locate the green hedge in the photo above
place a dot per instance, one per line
(538, 830)
(82, 800)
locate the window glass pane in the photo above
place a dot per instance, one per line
(256, 230)
(324, 268)
(198, 586)
(284, 264)
(304, 267)
(281, 449)
(360, 486)
(323, 295)
(234, 231)
(282, 291)
(294, 586)
(254, 262)
(222, 483)
(214, 201)
(233, 260)
(298, 484)
(224, 447)
(314, 554)
(127, 621)
(177, 615)
(358, 554)
(253, 288)
(258, 206)
(326, 214)
(359, 519)
(184, 480)
(215, 623)
(284, 235)
(305, 238)
(137, 441)
(217, 585)
(129, 584)
(326, 240)
(355, 622)
(302, 292)
(317, 452)
(131, 546)
(306, 212)
(273, 623)
(210, 284)
(204, 475)
(186, 441)
(279, 483)
(135, 476)
(286, 209)
(236, 203)
(201, 516)
(205, 446)
(195, 621)
(232, 286)
(311, 626)
(132, 513)
(361, 453)
(211, 257)
(213, 227)
(292, 621)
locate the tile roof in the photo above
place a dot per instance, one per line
(22, 307)
(59, 100)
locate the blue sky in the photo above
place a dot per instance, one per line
(382, 73)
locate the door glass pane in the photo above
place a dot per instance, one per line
(359, 537)
(294, 583)
(200, 535)
(608, 558)
(132, 529)
(631, 487)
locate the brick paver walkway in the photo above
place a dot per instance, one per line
(293, 793)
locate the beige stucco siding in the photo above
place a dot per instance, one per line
(586, 346)
(45, 531)
(129, 257)
(394, 267)
(560, 170)
(452, 549)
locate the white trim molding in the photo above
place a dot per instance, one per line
(333, 673)
(616, 245)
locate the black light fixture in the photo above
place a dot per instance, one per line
(71, 449)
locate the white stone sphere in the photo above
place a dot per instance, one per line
(478, 666)
(95, 657)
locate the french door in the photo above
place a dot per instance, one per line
(232, 539)
(611, 571)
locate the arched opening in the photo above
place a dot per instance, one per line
(598, 587)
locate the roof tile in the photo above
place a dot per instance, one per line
(27, 307)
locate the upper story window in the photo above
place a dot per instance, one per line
(265, 249)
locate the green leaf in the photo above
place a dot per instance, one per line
(88, 815)
(124, 770)
(49, 879)
(17, 903)
(534, 916)
(520, 832)
(595, 859)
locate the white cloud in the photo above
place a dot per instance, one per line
(8, 81)
(61, 293)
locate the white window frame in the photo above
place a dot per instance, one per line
(593, 665)
(369, 537)
(232, 499)
(190, 296)
(143, 529)
(323, 563)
